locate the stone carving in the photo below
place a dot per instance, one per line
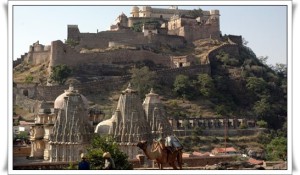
(71, 130)
(61, 133)
(133, 121)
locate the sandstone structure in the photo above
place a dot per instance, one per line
(156, 116)
(63, 132)
(134, 121)
(176, 28)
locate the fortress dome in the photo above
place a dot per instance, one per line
(59, 101)
(135, 9)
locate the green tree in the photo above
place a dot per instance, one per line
(281, 69)
(222, 110)
(22, 135)
(256, 85)
(101, 144)
(137, 26)
(143, 79)
(223, 57)
(277, 149)
(183, 87)
(262, 107)
(263, 59)
(71, 42)
(60, 73)
(262, 124)
(206, 85)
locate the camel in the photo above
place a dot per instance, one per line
(157, 151)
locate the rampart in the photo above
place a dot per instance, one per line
(192, 33)
(64, 54)
(19, 60)
(27, 103)
(37, 54)
(233, 49)
(101, 39)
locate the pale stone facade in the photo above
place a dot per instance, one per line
(63, 132)
(134, 121)
(156, 116)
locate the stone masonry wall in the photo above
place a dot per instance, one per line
(192, 33)
(27, 104)
(233, 49)
(102, 39)
(64, 54)
(196, 33)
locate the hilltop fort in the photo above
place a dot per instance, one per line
(130, 39)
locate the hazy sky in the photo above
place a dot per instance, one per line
(264, 27)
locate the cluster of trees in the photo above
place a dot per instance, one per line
(60, 73)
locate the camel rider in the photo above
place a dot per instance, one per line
(172, 143)
(109, 162)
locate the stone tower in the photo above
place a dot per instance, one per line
(40, 131)
(135, 11)
(71, 131)
(156, 116)
(128, 125)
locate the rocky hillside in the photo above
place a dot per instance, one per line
(239, 84)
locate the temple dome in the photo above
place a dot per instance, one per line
(105, 126)
(59, 101)
(152, 98)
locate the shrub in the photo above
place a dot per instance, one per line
(29, 79)
(101, 144)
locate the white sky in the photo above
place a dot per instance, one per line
(264, 27)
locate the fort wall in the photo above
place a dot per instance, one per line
(234, 39)
(101, 40)
(27, 103)
(38, 57)
(64, 54)
(192, 33)
(233, 49)
(19, 60)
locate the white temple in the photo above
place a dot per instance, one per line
(64, 132)
(134, 121)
